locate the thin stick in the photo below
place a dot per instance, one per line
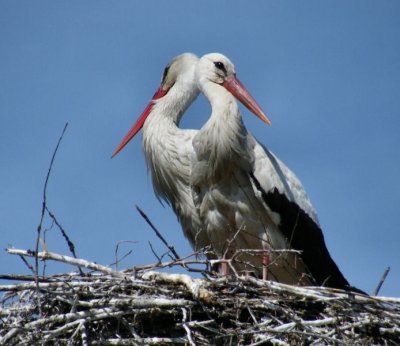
(117, 260)
(381, 281)
(70, 260)
(170, 247)
(27, 264)
(22, 278)
(154, 252)
(39, 229)
(71, 245)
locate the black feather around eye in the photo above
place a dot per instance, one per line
(220, 65)
(165, 74)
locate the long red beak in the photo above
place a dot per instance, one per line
(237, 89)
(139, 123)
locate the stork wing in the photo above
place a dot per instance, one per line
(283, 195)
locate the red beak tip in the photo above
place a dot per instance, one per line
(114, 153)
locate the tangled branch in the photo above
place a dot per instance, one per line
(117, 308)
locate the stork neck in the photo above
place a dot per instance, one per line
(225, 120)
(223, 104)
(222, 140)
(174, 104)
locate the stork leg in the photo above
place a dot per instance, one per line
(265, 263)
(221, 267)
(224, 268)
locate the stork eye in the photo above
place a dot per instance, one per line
(219, 65)
(165, 74)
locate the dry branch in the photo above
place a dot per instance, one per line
(45, 255)
(158, 233)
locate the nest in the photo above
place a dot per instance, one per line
(142, 306)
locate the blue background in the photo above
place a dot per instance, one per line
(326, 72)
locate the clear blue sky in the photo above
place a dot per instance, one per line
(326, 72)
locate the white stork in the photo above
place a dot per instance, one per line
(168, 148)
(246, 197)
(224, 187)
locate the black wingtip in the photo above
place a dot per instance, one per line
(305, 235)
(353, 289)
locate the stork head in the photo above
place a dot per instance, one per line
(179, 71)
(217, 68)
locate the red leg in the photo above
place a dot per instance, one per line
(265, 263)
(221, 267)
(224, 268)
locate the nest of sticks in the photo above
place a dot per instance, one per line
(142, 306)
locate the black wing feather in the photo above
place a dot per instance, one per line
(305, 235)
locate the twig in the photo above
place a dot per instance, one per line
(117, 260)
(27, 264)
(146, 341)
(69, 260)
(183, 262)
(44, 197)
(22, 278)
(170, 247)
(42, 241)
(381, 281)
(186, 327)
(39, 228)
(84, 334)
(71, 245)
(120, 259)
(159, 259)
